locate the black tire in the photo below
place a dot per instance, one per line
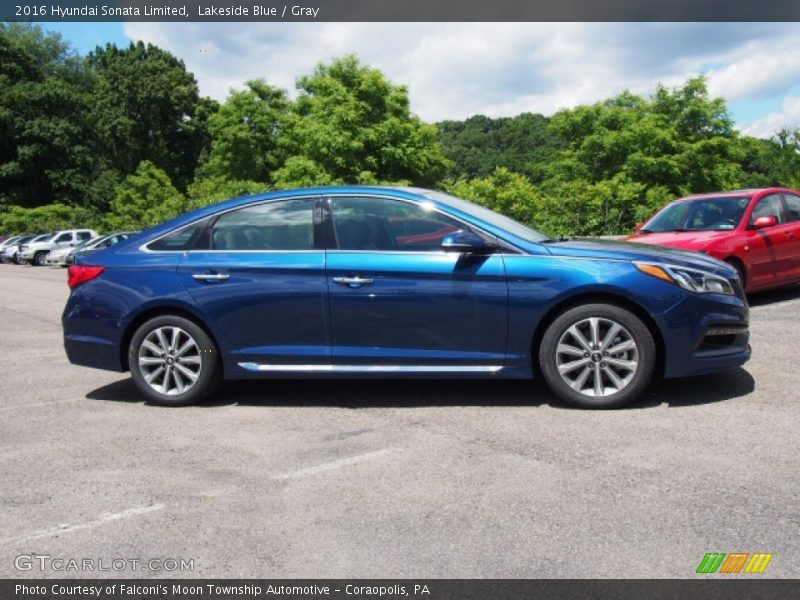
(642, 353)
(38, 259)
(17, 259)
(208, 374)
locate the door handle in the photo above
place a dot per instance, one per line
(211, 277)
(353, 282)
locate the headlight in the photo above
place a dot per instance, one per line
(689, 279)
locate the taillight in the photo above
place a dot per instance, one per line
(78, 274)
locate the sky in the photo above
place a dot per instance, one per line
(456, 70)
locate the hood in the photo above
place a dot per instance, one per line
(38, 244)
(687, 240)
(614, 250)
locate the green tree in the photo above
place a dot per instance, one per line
(476, 146)
(45, 139)
(17, 220)
(147, 107)
(244, 134)
(351, 125)
(207, 191)
(504, 191)
(775, 161)
(145, 198)
(680, 140)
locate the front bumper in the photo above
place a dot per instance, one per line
(58, 259)
(705, 333)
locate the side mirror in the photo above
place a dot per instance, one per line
(466, 242)
(763, 222)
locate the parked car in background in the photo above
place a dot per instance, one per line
(35, 252)
(7, 243)
(755, 231)
(15, 252)
(58, 257)
(10, 250)
(63, 256)
(313, 283)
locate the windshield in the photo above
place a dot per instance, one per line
(44, 238)
(484, 214)
(708, 214)
(91, 241)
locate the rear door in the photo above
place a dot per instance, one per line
(259, 277)
(400, 303)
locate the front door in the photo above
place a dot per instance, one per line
(792, 247)
(400, 303)
(767, 249)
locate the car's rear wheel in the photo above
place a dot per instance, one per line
(173, 361)
(597, 356)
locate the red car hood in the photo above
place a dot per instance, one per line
(686, 240)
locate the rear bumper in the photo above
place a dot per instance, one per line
(92, 351)
(91, 338)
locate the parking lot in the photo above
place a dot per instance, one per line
(392, 478)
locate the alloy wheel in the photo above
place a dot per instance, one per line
(170, 360)
(597, 357)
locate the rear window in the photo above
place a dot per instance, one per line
(188, 238)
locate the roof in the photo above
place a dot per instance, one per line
(735, 193)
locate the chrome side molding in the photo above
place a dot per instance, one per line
(326, 368)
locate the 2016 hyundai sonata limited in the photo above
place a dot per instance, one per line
(395, 282)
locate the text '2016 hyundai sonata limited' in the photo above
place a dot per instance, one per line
(395, 282)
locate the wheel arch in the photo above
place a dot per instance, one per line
(160, 311)
(595, 298)
(739, 263)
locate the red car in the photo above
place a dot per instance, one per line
(756, 231)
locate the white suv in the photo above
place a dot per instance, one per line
(36, 252)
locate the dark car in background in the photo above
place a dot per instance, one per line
(314, 283)
(755, 231)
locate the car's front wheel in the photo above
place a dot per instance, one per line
(39, 259)
(173, 361)
(597, 356)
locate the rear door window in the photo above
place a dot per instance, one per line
(792, 207)
(283, 225)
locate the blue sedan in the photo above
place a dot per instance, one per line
(395, 282)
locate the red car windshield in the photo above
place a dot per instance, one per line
(708, 214)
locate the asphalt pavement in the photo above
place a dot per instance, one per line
(389, 478)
